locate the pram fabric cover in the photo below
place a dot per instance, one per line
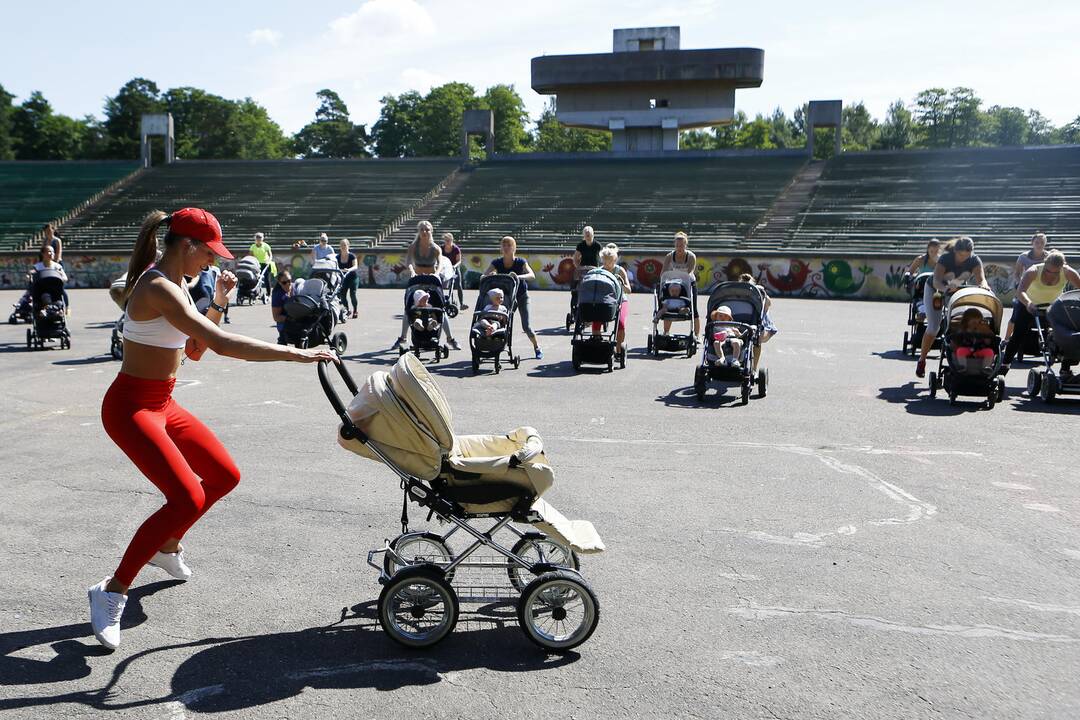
(406, 416)
(1064, 319)
(599, 296)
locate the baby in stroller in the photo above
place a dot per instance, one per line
(494, 317)
(48, 310)
(425, 318)
(975, 338)
(421, 301)
(674, 303)
(727, 337)
(970, 347)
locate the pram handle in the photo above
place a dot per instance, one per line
(349, 430)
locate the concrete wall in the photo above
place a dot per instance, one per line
(869, 278)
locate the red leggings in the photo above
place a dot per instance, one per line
(174, 450)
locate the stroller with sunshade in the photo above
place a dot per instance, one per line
(489, 348)
(599, 299)
(916, 322)
(673, 301)
(747, 305)
(401, 418)
(48, 311)
(425, 321)
(969, 362)
(579, 272)
(1059, 342)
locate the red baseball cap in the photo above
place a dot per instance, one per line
(200, 225)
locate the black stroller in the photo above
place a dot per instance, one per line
(977, 373)
(21, 310)
(251, 281)
(599, 297)
(747, 305)
(312, 316)
(579, 272)
(48, 312)
(916, 322)
(450, 284)
(1059, 342)
(673, 300)
(425, 323)
(328, 271)
(489, 348)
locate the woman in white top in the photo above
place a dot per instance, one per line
(682, 259)
(48, 262)
(169, 445)
(323, 249)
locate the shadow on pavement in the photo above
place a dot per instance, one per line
(894, 355)
(249, 671)
(916, 400)
(564, 368)
(715, 396)
(93, 360)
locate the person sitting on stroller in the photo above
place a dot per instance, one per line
(495, 317)
(676, 303)
(727, 340)
(421, 299)
(976, 336)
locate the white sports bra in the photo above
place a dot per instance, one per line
(157, 332)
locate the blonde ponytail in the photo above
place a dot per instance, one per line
(146, 248)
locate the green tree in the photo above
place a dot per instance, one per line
(726, 136)
(782, 132)
(332, 135)
(755, 135)
(898, 130)
(203, 124)
(123, 116)
(1071, 133)
(932, 117)
(697, 140)
(859, 130)
(260, 137)
(40, 134)
(440, 118)
(7, 111)
(964, 117)
(510, 118)
(1040, 129)
(395, 132)
(1006, 126)
(553, 137)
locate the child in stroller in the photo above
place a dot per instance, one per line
(493, 326)
(673, 302)
(970, 347)
(727, 338)
(736, 312)
(425, 318)
(402, 419)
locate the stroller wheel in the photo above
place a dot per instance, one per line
(517, 361)
(745, 392)
(569, 321)
(699, 384)
(539, 548)
(1000, 389)
(498, 367)
(29, 339)
(575, 358)
(904, 346)
(418, 548)
(933, 385)
(340, 343)
(558, 611)
(762, 382)
(622, 359)
(649, 345)
(417, 607)
(476, 366)
(1034, 383)
(1049, 388)
(451, 311)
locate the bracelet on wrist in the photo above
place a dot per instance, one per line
(215, 306)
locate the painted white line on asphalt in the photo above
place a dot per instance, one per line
(1042, 507)
(751, 658)
(426, 667)
(1037, 606)
(1074, 554)
(1012, 486)
(761, 612)
(174, 709)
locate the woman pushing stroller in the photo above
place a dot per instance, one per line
(175, 451)
(957, 266)
(422, 258)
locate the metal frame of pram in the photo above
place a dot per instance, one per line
(424, 581)
(1043, 382)
(673, 343)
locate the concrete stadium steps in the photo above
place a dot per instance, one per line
(288, 200)
(405, 232)
(633, 202)
(33, 193)
(792, 201)
(895, 201)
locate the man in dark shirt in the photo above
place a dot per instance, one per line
(587, 251)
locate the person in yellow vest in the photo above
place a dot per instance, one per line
(260, 249)
(1040, 285)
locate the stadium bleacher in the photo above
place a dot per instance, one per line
(33, 193)
(638, 203)
(891, 202)
(287, 199)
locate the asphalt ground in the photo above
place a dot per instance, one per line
(844, 547)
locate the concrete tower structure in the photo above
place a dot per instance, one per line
(648, 89)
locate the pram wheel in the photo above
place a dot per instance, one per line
(476, 366)
(451, 311)
(517, 361)
(699, 384)
(417, 607)
(1049, 388)
(539, 548)
(29, 339)
(690, 348)
(622, 359)
(558, 611)
(417, 548)
(746, 392)
(340, 342)
(1034, 383)
(1000, 389)
(762, 382)
(933, 385)
(569, 321)
(904, 346)
(649, 345)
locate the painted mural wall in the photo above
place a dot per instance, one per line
(801, 276)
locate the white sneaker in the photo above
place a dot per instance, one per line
(172, 563)
(105, 611)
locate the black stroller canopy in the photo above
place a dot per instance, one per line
(599, 287)
(1064, 319)
(48, 281)
(507, 283)
(746, 301)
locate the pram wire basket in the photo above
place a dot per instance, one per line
(424, 581)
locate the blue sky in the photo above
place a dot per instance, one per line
(281, 53)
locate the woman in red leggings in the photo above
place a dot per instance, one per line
(168, 444)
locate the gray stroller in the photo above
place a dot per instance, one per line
(1059, 342)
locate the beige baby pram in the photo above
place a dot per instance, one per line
(402, 419)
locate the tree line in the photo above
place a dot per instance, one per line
(412, 124)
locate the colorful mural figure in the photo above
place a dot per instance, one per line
(647, 272)
(791, 281)
(561, 274)
(839, 278)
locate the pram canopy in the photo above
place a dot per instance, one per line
(599, 295)
(746, 301)
(1064, 319)
(979, 298)
(247, 267)
(918, 285)
(406, 416)
(683, 278)
(431, 284)
(49, 282)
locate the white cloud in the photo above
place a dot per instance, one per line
(383, 19)
(420, 80)
(264, 36)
